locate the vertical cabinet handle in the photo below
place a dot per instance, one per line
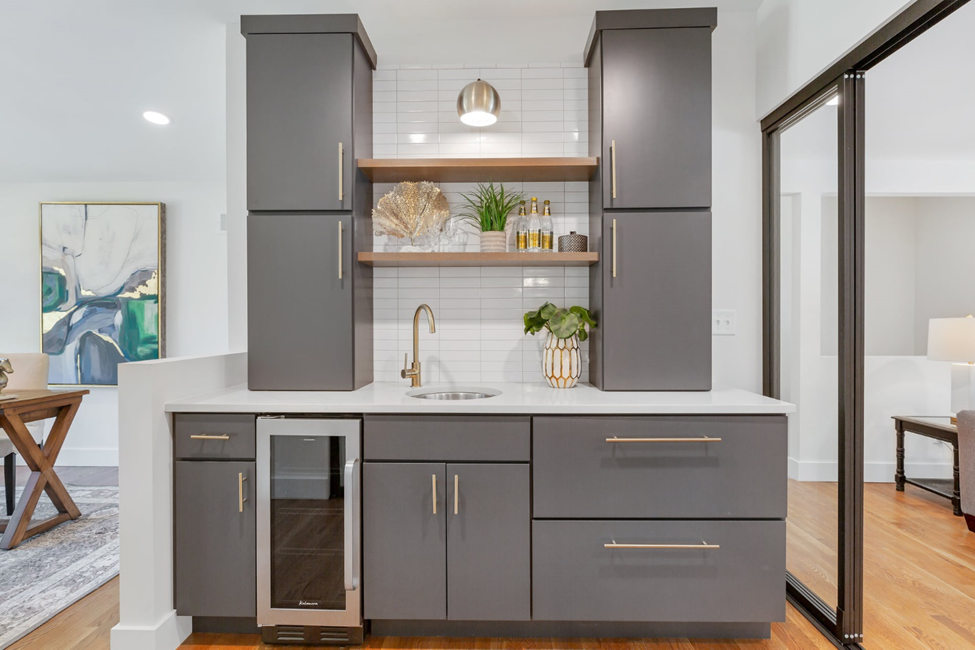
(341, 170)
(351, 513)
(614, 248)
(612, 165)
(240, 491)
(340, 250)
(456, 493)
(434, 477)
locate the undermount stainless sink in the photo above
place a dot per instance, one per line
(453, 394)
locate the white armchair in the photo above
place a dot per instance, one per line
(30, 373)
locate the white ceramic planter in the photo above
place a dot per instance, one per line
(562, 363)
(494, 242)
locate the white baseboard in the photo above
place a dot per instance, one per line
(84, 457)
(873, 472)
(168, 634)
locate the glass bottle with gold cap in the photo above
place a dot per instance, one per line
(534, 228)
(521, 229)
(547, 229)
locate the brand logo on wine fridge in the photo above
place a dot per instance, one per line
(306, 603)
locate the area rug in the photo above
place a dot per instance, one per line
(49, 572)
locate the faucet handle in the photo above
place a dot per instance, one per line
(406, 366)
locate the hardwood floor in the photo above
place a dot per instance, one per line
(919, 588)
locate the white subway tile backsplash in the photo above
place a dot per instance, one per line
(479, 311)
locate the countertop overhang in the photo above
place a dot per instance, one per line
(515, 399)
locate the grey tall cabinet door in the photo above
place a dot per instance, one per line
(216, 539)
(656, 106)
(299, 302)
(299, 120)
(655, 323)
(488, 542)
(404, 532)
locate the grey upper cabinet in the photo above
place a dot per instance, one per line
(299, 121)
(488, 542)
(216, 538)
(652, 297)
(404, 532)
(309, 112)
(650, 76)
(302, 309)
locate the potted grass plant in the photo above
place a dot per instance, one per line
(487, 209)
(562, 362)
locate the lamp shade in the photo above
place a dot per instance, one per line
(478, 104)
(952, 339)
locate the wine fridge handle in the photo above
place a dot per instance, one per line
(351, 523)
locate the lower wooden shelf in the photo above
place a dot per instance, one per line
(479, 259)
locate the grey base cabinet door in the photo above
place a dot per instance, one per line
(216, 538)
(300, 321)
(299, 114)
(488, 542)
(668, 571)
(656, 106)
(404, 532)
(654, 328)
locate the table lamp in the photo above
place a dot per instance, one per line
(953, 340)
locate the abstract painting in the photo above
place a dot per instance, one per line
(102, 288)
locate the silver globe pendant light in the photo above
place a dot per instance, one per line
(478, 104)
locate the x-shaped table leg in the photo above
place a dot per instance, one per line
(43, 478)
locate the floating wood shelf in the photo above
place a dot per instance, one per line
(479, 259)
(466, 170)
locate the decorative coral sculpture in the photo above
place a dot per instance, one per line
(411, 210)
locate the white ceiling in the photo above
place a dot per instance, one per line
(77, 74)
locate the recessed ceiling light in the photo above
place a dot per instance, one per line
(156, 118)
(835, 101)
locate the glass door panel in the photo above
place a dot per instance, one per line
(808, 344)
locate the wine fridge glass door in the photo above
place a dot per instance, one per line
(308, 521)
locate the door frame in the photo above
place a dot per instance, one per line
(845, 78)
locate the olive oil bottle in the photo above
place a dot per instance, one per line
(534, 228)
(547, 229)
(521, 229)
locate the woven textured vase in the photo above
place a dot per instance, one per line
(562, 363)
(494, 241)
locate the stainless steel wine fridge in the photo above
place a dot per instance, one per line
(308, 530)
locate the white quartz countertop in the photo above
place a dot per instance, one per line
(527, 399)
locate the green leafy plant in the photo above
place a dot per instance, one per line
(561, 322)
(488, 207)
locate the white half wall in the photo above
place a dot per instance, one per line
(147, 620)
(196, 286)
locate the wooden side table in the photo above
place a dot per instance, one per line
(937, 428)
(31, 406)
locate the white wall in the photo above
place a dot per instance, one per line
(736, 189)
(798, 39)
(196, 300)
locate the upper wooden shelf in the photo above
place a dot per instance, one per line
(466, 170)
(478, 259)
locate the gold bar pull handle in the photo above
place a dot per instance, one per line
(434, 477)
(612, 165)
(240, 491)
(614, 248)
(340, 250)
(701, 439)
(341, 170)
(456, 494)
(209, 436)
(703, 545)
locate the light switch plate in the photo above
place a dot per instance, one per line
(723, 322)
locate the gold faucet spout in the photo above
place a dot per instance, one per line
(412, 371)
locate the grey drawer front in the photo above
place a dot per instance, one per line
(579, 475)
(240, 431)
(447, 438)
(575, 578)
